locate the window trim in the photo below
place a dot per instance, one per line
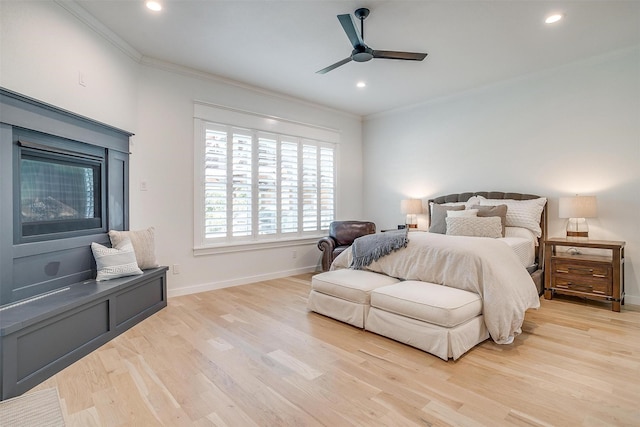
(212, 113)
(241, 246)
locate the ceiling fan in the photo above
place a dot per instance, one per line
(361, 52)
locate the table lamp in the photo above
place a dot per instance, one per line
(411, 207)
(577, 209)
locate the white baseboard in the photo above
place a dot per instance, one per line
(187, 290)
(630, 299)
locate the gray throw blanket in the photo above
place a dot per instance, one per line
(370, 248)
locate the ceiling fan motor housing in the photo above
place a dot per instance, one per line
(362, 54)
(361, 13)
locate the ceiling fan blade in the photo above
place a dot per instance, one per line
(350, 28)
(391, 54)
(336, 65)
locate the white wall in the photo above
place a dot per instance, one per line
(575, 129)
(163, 157)
(44, 48)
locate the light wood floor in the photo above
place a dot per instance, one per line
(253, 356)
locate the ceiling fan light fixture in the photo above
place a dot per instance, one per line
(153, 5)
(551, 19)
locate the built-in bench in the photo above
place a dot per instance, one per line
(43, 335)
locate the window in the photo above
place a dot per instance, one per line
(257, 185)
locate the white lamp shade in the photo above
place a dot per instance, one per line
(578, 207)
(411, 206)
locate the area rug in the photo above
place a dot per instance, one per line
(37, 409)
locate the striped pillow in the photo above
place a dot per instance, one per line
(119, 261)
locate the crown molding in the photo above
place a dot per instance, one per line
(89, 20)
(203, 75)
(85, 17)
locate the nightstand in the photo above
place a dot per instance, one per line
(590, 276)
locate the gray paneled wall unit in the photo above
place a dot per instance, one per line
(31, 263)
(64, 183)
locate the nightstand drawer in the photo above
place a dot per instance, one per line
(574, 268)
(579, 284)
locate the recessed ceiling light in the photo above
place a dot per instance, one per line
(361, 84)
(154, 5)
(553, 18)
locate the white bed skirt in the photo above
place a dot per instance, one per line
(340, 309)
(442, 342)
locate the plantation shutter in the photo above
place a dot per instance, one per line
(254, 182)
(267, 185)
(309, 187)
(215, 182)
(289, 186)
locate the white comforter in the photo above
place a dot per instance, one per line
(487, 267)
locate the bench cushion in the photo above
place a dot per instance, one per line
(436, 304)
(351, 285)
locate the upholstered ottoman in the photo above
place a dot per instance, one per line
(440, 320)
(345, 294)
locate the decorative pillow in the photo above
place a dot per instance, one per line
(474, 226)
(521, 213)
(499, 210)
(438, 216)
(119, 261)
(143, 242)
(458, 204)
(466, 212)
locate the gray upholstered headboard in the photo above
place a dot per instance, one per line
(463, 197)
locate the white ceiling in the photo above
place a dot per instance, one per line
(279, 45)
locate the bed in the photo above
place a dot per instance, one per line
(536, 266)
(502, 270)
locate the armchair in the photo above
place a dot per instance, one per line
(341, 236)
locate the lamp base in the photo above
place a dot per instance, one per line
(577, 234)
(577, 227)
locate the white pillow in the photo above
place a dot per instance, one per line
(143, 242)
(119, 261)
(521, 213)
(466, 212)
(520, 232)
(490, 226)
(473, 200)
